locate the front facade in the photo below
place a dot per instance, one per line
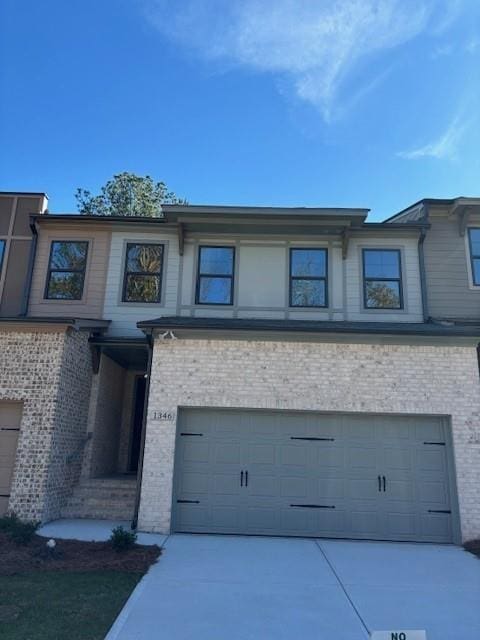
(244, 370)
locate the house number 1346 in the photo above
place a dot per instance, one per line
(163, 416)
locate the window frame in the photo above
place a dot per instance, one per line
(50, 270)
(126, 273)
(291, 277)
(471, 256)
(214, 275)
(401, 306)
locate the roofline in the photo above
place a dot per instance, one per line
(308, 326)
(76, 217)
(23, 193)
(76, 323)
(254, 210)
(428, 201)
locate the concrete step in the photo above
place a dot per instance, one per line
(111, 498)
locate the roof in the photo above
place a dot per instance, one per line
(78, 217)
(23, 193)
(458, 201)
(76, 323)
(312, 326)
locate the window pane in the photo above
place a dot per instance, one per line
(381, 264)
(65, 285)
(309, 262)
(308, 293)
(476, 270)
(475, 241)
(2, 251)
(144, 257)
(216, 260)
(214, 290)
(142, 288)
(382, 294)
(68, 255)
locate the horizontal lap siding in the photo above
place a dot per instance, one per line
(98, 250)
(446, 264)
(411, 283)
(124, 316)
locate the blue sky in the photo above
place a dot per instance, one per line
(369, 103)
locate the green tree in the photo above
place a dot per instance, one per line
(127, 194)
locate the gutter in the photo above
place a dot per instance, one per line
(31, 264)
(144, 428)
(423, 276)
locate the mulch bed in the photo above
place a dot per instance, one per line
(473, 546)
(72, 555)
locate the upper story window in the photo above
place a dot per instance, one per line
(308, 278)
(66, 270)
(2, 252)
(474, 243)
(216, 267)
(382, 279)
(143, 273)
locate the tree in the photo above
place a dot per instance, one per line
(127, 194)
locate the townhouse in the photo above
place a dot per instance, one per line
(280, 371)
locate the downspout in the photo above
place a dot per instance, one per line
(144, 428)
(423, 277)
(31, 264)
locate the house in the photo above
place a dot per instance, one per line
(242, 370)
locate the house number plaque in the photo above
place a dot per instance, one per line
(163, 416)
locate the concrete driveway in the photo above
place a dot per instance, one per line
(248, 588)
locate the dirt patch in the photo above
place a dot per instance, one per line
(72, 555)
(473, 546)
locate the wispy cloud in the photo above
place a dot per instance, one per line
(317, 45)
(445, 146)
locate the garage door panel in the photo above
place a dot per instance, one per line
(294, 455)
(329, 467)
(10, 419)
(329, 456)
(292, 487)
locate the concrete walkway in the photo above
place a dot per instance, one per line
(93, 530)
(247, 588)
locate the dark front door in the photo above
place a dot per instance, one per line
(137, 422)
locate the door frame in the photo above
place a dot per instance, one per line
(449, 445)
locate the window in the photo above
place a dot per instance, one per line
(382, 279)
(474, 243)
(308, 278)
(2, 251)
(66, 270)
(143, 273)
(215, 275)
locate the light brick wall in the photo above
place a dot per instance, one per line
(50, 373)
(104, 420)
(314, 376)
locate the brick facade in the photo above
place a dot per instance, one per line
(50, 373)
(390, 378)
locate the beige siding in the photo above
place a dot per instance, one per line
(412, 311)
(125, 315)
(450, 292)
(91, 306)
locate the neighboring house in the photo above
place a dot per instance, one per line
(451, 255)
(242, 370)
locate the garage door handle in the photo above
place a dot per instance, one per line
(379, 483)
(246, 478)
(241, 478)
(384, 484)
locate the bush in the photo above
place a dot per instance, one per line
(122, 540)
(19, 531)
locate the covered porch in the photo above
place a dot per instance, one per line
(111, 455)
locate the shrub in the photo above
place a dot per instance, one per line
(18, 530)
(122, 540)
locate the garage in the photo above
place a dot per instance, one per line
(10, 417)
(364, 476)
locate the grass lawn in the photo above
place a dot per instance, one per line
(59, 605)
